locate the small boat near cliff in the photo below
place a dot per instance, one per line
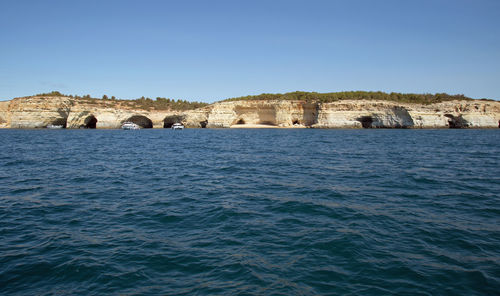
(177, 126)
(54, 126)
(130, 126)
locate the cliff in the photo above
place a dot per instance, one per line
(356, 114)
(38, 112)
(4, 114)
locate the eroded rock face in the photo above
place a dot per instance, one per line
(373, 114)
(4, 114)
(34, 112)
(395, 117)
(270, 113)
(38, 112)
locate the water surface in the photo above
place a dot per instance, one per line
(282, 212)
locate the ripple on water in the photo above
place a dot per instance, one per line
(287, 212)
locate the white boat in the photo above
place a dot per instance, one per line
(130, 126)
(177, 126)
(53, 126)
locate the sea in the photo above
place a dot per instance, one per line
(250, 212)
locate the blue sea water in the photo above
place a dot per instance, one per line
(250, 212)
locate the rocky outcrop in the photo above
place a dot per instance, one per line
(270, 113)
(38, 112)
(4, 114)
(355, 114)
(33, 112)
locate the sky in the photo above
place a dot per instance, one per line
(212, 50)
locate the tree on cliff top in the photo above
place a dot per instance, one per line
(356, 95)
(52, 94)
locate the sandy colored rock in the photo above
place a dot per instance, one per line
(354, 114)
(38, 112)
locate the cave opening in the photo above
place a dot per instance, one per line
(366, 121)
(141, 121)
(60, 122)
(295, 122)
(241, 121)
(170, 120)
(267, 123)
(90, 122)
(456, 121)
(203, 124)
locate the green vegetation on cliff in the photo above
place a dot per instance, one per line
(170, 104)
(356, 95)
(141, 103)
(52, 94)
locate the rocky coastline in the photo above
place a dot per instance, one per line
(72, 113)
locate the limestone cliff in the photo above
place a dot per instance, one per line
(38, 112)
(4, 114)
(271, 113)
(356, 114)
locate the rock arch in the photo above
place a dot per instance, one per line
(171, 119)
(141, 121)
(90, 122)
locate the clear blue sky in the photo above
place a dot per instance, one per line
(211, 50)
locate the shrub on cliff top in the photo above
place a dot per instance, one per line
(53, 94)
(355, 95)
(141, 103)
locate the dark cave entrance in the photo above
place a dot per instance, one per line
(90, 122)
(203, 124)
(141, 121)
(366, 121)
(456, 121)
(60, 121)
(241, 121)
(295, 122)
(267, 123)
(170, 120)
